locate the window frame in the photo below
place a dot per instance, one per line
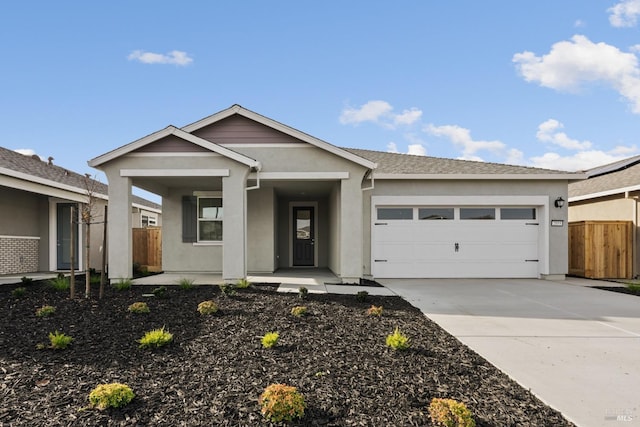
(200, 219)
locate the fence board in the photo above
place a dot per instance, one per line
(147, 248)
(601, 249)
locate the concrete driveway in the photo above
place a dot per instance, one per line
(575, 347)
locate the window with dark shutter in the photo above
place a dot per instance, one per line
(189, 219)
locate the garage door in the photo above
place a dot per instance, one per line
(451, 242)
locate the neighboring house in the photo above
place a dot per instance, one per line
(242, 193)
(610, 193)
(35, 208)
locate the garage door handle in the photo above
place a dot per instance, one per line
(456, 247)
(379, 260)
(380, 223)
(531, 260)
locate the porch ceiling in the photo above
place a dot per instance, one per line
(161, 185)
(300, 188)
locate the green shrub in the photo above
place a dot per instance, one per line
(299, 310)
(243, 284)
(374, 311)
(45, 311)
(362, 296)
(59, 341)
(303, 292)
(26, 280)
(156, 338)
(113, 395)
(160, 292)
(281, 402)
(633, 287)
(19, 292)
(94, 280)
(139, 307)
(207, 307)
(185, 284)
(450, 413)
(397, 340)
(228, 289)
(122, 285)
(60, 284)
(270, 339)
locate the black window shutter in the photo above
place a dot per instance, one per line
(189, 219)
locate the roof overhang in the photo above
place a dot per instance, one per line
(237, 109)
(511, 176)
(172, 130)
(605, 193)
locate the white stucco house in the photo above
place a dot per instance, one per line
(242, 193)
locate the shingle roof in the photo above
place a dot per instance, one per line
(396, 163)
(32, 165)
(628, 175)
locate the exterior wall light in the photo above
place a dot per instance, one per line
(559, 202)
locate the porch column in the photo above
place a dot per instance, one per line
(351, 232)
(233, 231)
(119, 228)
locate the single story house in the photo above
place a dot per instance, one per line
(35, 210)
(610, 193)
(242, 193)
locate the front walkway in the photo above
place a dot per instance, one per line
(575, 347)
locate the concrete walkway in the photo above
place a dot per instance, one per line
(575, 347)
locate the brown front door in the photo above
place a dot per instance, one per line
(303, 236)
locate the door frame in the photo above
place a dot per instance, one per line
(53, 235)
(316, 244)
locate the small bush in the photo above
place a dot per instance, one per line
(633, 287)
(122, 285)
(228, 289)
(281, 402)
(397, 340)
(207, 307)
(243, 284)
(270, 339)
(156, 338)
(374, 311)
(59, 341)
(139, 307)
(94, 280)
(113, 395)
(19, 292)
(303, 292)
(160, 292)
(362, 296)
(26, 280)
(186, 284)
(60, 283)
(45, 311)
(299, 311)
(450, 413)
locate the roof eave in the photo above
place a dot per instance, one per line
(510, 176)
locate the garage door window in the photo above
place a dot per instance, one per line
(517, 213)
(395, 213)
(435, 213)
(477, 213)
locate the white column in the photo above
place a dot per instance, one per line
(351, 231)
(119, 228)
(233, 233)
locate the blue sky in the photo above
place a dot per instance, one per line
(544, 83)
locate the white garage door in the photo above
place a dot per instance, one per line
(452, 242)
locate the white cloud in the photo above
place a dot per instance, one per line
(381, 113)
(625, 13)
(548, 132)
(579, 23)
(514, 157)
(174, 57)
(26, 151)
(570, 64)
(461, 138)
(392, 147)
(417, 150)
(578, 161)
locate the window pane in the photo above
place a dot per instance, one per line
(303, 224)
(395, 213)
(435, 213)
(210, 231)
(209, 208)
(477, 213)
(518, 213)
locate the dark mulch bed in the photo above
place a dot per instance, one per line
(214, 371)
(619, 289)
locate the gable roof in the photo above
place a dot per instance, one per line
(32, 169)
(407, 166)
(614, 178)
(172, 130)
(237, 109)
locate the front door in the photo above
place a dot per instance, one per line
(63, 236)
(303, 236)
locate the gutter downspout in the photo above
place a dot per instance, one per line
(373, 182)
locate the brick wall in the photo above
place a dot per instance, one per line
(18, 254)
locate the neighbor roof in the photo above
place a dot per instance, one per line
(615, 178)
(31, 168)
(398, 165)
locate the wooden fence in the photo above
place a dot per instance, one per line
(147, 248)
(601, 249)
